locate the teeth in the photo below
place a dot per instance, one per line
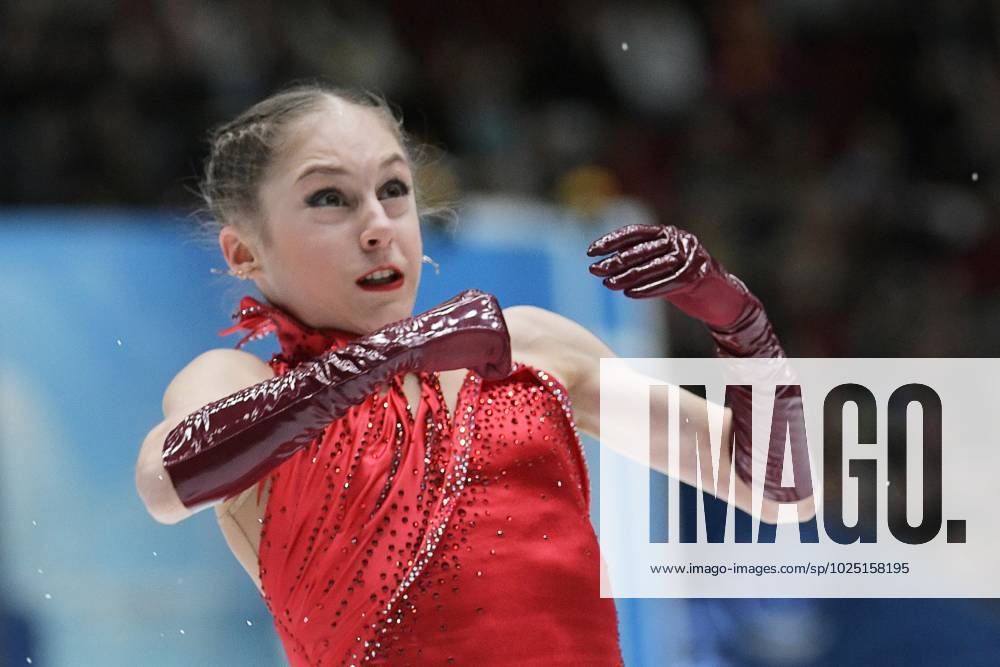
(380, 276)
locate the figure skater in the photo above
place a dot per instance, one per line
(402, 489)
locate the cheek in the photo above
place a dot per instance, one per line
(311, 257)
(411, 239)
(295, 253)
(397, 206)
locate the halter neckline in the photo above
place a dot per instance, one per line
(299, 341)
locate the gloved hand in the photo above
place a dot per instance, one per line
(664, 261)
(231, 443)
(466, 331)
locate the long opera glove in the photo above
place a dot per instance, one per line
(229, 444)
(663, 261)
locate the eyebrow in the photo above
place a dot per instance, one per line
(330, 169)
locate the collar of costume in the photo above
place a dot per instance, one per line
(299, 341)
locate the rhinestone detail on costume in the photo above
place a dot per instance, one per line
(400, 526)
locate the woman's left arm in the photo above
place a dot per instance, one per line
(654, 261)
(573, 355)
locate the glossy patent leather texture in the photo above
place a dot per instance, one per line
(664, 261)
(408, 536)
(229, 444)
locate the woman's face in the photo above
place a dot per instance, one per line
(345, 248)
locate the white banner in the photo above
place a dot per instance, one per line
(906, 508)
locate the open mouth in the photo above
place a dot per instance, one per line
(380, 279)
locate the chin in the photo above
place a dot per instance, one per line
(396, 314)
(385, 316)
(373, 314)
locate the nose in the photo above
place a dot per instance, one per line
(378, 231)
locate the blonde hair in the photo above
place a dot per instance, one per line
(244, 148)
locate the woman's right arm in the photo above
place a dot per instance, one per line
(209, 377)
(220, 447)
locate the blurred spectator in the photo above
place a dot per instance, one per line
(838, 154)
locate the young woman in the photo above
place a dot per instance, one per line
(403, 489)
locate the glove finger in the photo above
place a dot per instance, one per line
(682, 273)
(634, 256)
(626, 236)
(662, 286)
(655, 270)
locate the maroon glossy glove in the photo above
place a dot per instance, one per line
(664, 261)
(231, 443)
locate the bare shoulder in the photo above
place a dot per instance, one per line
(225, 357)
(534, 326)
(525, 323)
(211, 375)
(554, 342)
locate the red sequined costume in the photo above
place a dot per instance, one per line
(411, 538)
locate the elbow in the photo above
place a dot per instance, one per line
(159, 498)
(805, 509)
(153, 484)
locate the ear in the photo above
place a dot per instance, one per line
(238, 249)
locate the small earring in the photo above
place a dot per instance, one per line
(437, 267)
(241, 273)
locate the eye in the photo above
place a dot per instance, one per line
(394, 188)
(326, 197)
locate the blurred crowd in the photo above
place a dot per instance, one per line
(839, 155)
